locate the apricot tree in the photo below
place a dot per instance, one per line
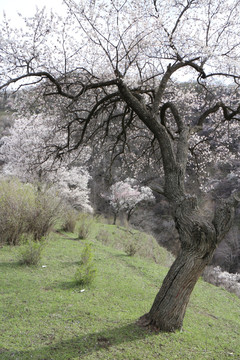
(111, 70)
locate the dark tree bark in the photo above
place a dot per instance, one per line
(114, 218)
(198, 241)
(168, 310)
(198, 236)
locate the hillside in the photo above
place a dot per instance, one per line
(44, 315)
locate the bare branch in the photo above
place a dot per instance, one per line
(227, 112)
(171, 69)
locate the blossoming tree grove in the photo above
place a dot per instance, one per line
(111, 70)
(24, 152)
(125, 195)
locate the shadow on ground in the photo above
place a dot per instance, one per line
(81, 346)
(10, 265)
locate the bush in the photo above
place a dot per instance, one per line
(23, 209)
(69, 220)
(131, 248)
(84, 226)
(30, 251)
(15, 200)
(86, 271)
(104, 237)
(44, 213)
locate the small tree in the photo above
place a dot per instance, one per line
(126, 195)
(86, 271)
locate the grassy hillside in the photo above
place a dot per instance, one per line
(44, 315)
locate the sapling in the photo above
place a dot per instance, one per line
(86, 271)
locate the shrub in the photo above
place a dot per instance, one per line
(104, 237)
(15, 202)
(30, 251)
(131, 248)
(69, 220)
(84, 226)
(101, 219)
(86, 272)
(23, 209)
(44, 213)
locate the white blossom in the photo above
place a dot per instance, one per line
(26, 152)
(230, 282)
(125, 195)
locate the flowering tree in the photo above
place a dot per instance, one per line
(126, 195)
(110, 69)
(215, 276)
(25, 154)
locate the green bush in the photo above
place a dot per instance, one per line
(86, 272)
(44, 213)
(131, 248)
(69, 220)
(24, 209)
(15, 202)
(84, 226)
(30, 251)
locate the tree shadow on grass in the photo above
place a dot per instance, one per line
(67, 264)
(83, 345)
(70, 285)
(66, 285)
(123, 255)
(66, 236)
(10, 265)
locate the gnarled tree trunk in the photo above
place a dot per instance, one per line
(199, 238)
(168, 310)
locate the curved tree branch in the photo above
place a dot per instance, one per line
(227, 113)
(57, 84)
(174, 111)
(171, 69)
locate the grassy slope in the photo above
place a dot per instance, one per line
(45, 316)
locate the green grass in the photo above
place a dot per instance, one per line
(119, 238)
(44, 315)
